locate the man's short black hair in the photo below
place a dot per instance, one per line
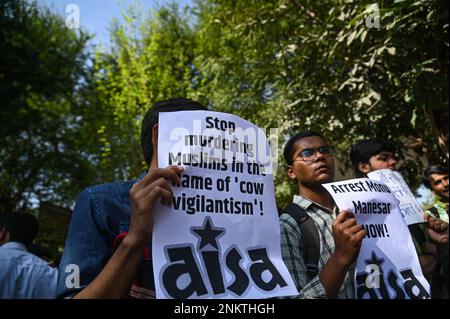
(289, 147)
(22, 227)
(152, 115)
(433, 169)
(362, 151)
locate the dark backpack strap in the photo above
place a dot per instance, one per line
(310, 238)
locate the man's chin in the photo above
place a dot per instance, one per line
(443, 196)
(325, 178)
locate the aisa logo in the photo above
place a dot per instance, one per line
(374, 282)
(185, 276)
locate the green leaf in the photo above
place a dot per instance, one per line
(391, 50)
(366, 100)
(413, 118)
(351, 37)
(407, 97)
(363, 35)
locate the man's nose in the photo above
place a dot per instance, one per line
(393, 163)
(319, 155)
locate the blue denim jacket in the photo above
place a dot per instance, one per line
(101, 213)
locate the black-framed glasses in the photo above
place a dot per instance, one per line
(309, 154)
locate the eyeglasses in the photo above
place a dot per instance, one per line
(309, 154)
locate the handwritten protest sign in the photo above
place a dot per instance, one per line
(220, 238)
(411, 211)
(387, 265)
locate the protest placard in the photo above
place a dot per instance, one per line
(387, 266)
(220, 238)
(411, 210)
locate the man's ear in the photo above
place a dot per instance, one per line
(4, 236)
(364, 167)
(291, 173)
(155, 136)
(154, 159)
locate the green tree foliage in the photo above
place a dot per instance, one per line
(150, 60)
(317, 65)
(67, 122)
(41, 65)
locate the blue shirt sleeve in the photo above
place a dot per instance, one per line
(88, 245)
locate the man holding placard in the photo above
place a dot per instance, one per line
(220, 238)
(197, 224)
(108, 249)
(376, 157)
(387, 266)
(321, 266)
(372, 155)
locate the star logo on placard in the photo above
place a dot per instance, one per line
(208, 234)
(374, 260)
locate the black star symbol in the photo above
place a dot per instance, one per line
(374, 260)
(207, 233)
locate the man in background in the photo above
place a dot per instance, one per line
(374, 154)
(22, 274)
(435, 178)
(371, 155)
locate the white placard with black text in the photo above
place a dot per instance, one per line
(387, 266)
(411, 210)
(220, 238)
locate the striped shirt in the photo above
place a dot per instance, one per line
(292, 247)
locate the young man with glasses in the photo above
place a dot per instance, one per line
(311, 164)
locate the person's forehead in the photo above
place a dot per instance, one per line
(436, 177)
(309, 142)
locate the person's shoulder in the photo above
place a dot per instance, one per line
(104, 197)
(23, 258)
(286, 218)
(109, 190)
(288, 222)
